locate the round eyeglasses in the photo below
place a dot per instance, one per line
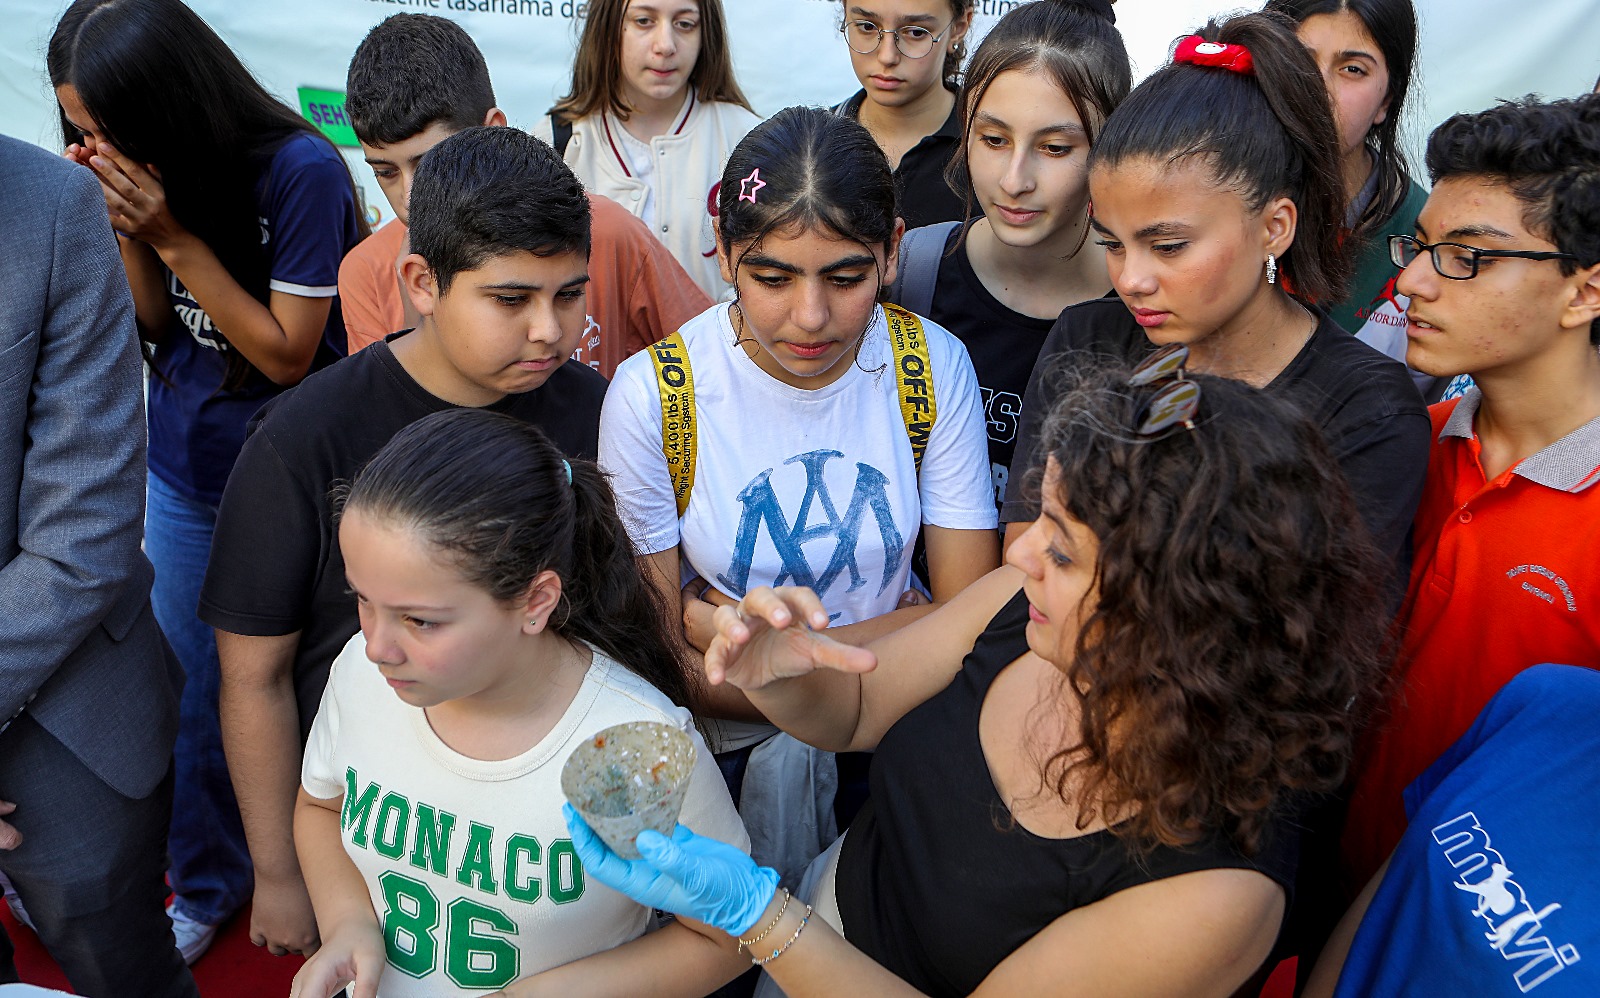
(1455, 261)
(912, 40)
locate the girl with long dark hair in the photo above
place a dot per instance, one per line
(1088, 765)
(1219, 202)
(653, 78)
(503, 622)
(1366, 50)
(233, 214)
(1037, 92)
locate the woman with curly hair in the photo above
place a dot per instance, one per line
(1105, 742)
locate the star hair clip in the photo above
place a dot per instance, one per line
(750, 185)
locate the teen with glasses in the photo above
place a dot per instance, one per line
(907, 55)
(1215, 185)
(1503, 276)
(652, 115)
(1100, 743)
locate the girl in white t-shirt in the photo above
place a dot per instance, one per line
(502, 610)
(804, 467)
(652, 114)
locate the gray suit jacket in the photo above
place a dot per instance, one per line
(77, 635)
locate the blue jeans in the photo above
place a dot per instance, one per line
(210, 872)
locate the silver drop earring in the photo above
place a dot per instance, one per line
(1272, 269)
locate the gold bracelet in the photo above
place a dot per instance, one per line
(747, 943)
(785, 947)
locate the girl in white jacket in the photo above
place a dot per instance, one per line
(652, 115)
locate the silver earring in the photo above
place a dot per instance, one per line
(1272, 269)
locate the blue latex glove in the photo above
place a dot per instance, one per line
(688, 875)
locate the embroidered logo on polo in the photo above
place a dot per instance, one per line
(1515, 928)
(762, 508)
(1541, 587)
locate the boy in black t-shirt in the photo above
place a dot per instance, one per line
(500, 240)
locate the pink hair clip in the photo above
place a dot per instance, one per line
(1218, 55)
(749, 185)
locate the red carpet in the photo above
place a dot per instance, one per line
(232, 968)
(235, 969)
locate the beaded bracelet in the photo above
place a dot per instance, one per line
(745, 944)
(785, 947)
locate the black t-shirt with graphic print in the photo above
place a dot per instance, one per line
(1004, 345)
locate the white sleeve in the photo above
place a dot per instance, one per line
(707, 808)
(544, 130)
(630, 453)
(955, 484)
(319, 769)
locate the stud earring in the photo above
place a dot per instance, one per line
(1272, 269)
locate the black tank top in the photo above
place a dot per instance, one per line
(938, 884)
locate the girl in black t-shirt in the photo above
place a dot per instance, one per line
(1217, 191)
(1038, 91)
(1099, 798)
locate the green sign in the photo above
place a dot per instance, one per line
(325, 109)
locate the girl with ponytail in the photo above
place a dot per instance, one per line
(501, 605)
(1218, 199)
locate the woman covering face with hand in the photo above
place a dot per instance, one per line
(233, 215)
(1120, 755)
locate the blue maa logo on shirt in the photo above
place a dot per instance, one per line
(761, 506)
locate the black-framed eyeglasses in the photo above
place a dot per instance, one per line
(1455, 261)
(912, 40)
(1175, 406)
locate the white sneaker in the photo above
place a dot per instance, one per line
(15, 903)
(194, 938)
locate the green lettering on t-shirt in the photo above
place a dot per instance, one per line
(430, 843)
(358, 807)
(517, 846)
(477, 864)
(389, 835)
(565, 873)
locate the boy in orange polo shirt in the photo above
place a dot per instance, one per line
(416, 80)
(1503, 277)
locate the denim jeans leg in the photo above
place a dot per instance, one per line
(210, 871)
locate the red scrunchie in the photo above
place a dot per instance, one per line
(1199, 52)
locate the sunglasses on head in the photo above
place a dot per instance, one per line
(1174, 406)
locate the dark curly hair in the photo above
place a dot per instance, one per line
(1548, 156)
(1240, 633)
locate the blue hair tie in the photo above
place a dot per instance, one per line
(568, 469)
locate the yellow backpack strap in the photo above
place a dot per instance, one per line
(675, 385)
(913, 374)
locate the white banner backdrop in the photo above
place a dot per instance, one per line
(789, 51)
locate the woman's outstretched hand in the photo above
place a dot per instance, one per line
(688, 875)
(775, 634)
